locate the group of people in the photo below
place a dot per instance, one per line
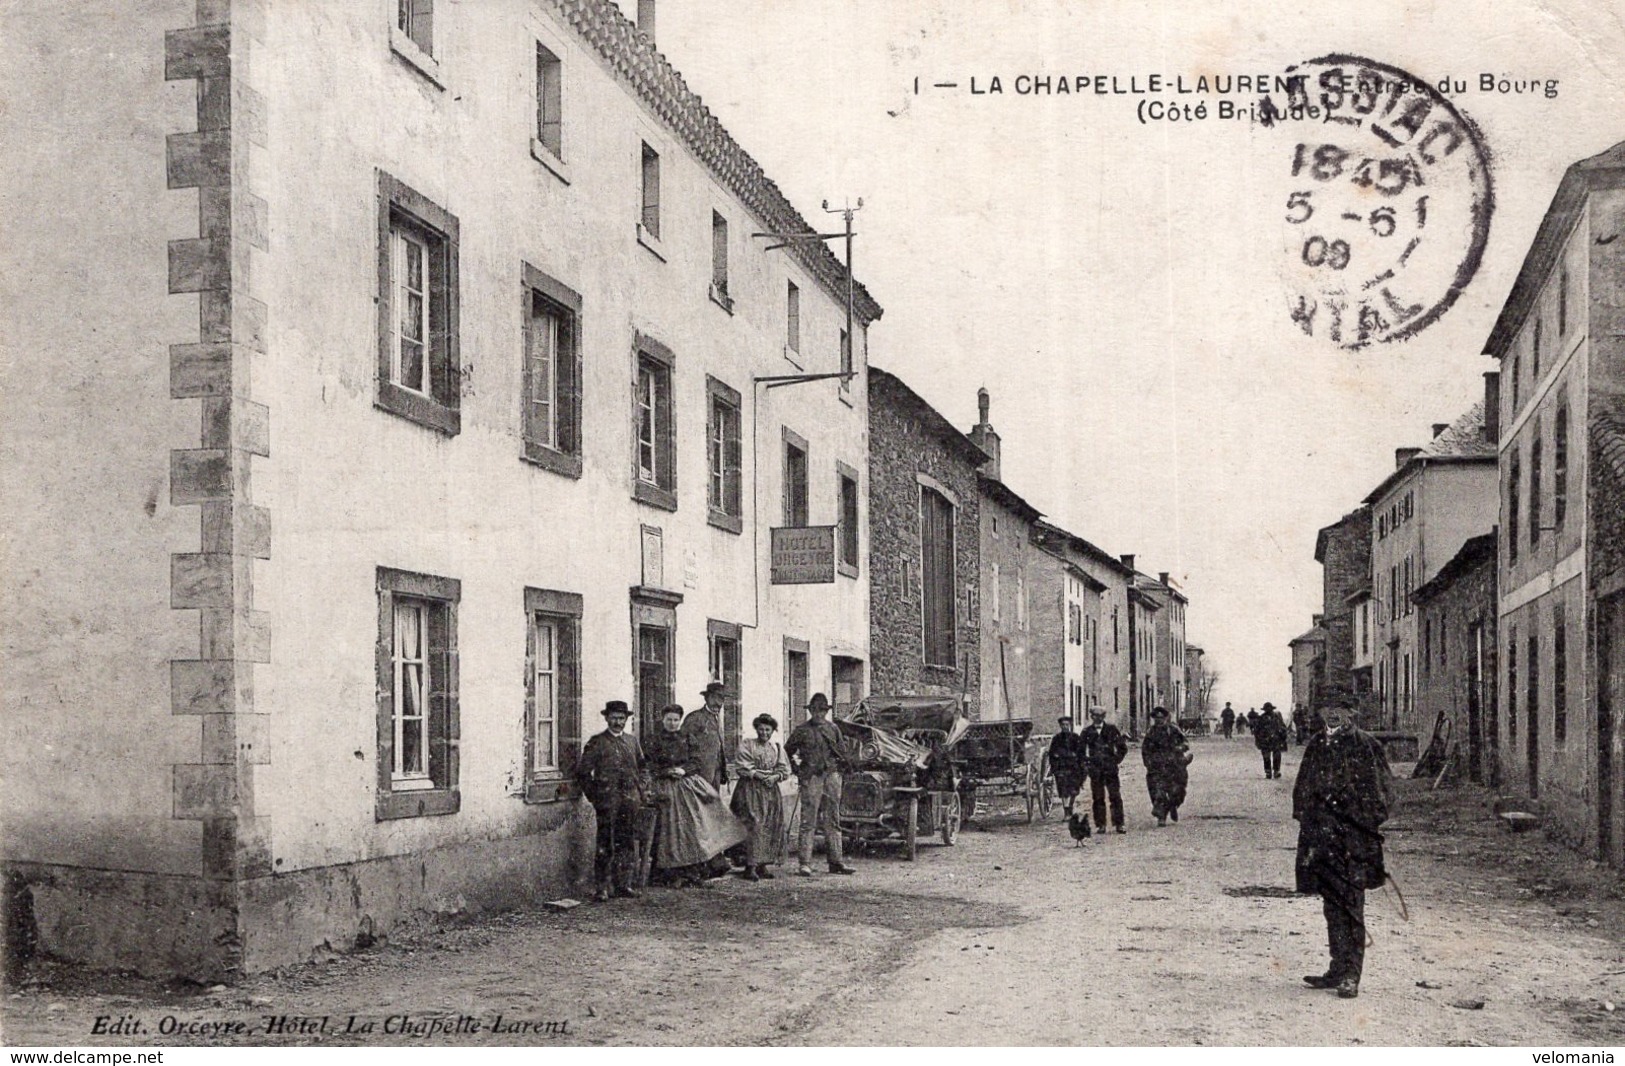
(659, 802)
(1095, 755)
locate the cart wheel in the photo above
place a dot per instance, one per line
(911, 829)
(950, 820)
(1046, 797)
(1032, 800)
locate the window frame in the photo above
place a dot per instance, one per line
(401, 208)
(795, 495)
(1560, 463)
(849, 524)
(724, 458)
(719, 262)
(947, 628)
(649, 187)
(548, 782)
(720, 635)
(660, 490)
(439, 597)
(792, 319)
(1535, 451)
(548, 134)
(553, 297)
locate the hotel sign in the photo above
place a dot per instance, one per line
(803, 555)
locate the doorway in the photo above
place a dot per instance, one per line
(1475, 703)
(846, 684)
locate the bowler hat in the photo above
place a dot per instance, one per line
(818, 700)
(1159, 711)
(715, 686)
(764, 719)
(1064, 718)
(616, 707)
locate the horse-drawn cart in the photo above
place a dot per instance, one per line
(1004, 758)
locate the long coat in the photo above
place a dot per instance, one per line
(1104, 746)
(1270, 733)
(611, 770)
(1343, 793)
(704, 732)
(1163, 752)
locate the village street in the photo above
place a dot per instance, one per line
(1178, 936)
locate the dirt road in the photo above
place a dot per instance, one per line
(1175, 936)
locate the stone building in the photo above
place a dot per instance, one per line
(1436, 498)
(1197, 702)
(1343, 550)
(1456, 613)
(1308, 669)
(925, 618)
(1098, 653)
(1560, 342)
(421, 412)
(1362, 670)
(1141, 638)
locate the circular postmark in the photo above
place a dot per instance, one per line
(1385, 196)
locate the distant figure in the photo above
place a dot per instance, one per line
(611, 773)
(1066, 762)
(1300, 724)
(1342, 795)
(1270, 736)
(1241, 723)
(1227, 721)
(1166, 753)
(1104, 748)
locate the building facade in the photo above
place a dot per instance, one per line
(395, 500)
(1097, 662)
(1343, 550)
(1308, 669)
(1024, 609)
(1436, 498)
(925, 615)
(1362, 671)
(1456, 612)
(1560, 342)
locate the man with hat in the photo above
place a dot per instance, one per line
(611, 771)
(1104, 748)
(819, 753)
(1271, 737)
(1342, 795)
(703, 731)
(1066, 762)
(1165, 753)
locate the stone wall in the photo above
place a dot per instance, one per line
(1345, 562)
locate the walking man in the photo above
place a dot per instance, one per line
(1165, 753)
(1270, 735)
(1104, 747)
(1342, 795)
(611, 774)
(1227, 719)
(1066, 762)
(817, 751)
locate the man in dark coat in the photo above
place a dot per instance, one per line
(611, 772)
(1342, 795)
(1227, 719)
(1270, 736)
(1104, 747)
(1066, 762)
(1165, 752)
(1300, 724)
(703, 731)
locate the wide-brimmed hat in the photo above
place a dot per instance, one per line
(764, 719)
(1269, 706)
(715, 686)
(616, 707)
(1156, 711)
(1064, 718)
(818, 700)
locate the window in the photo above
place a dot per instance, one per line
(415, 18)
(846, 360)
(723, 457)
(549, 101)
(1512, 682)
(417, 694)
(1531, 704)
(417, 314)
(1515, 376)
(1405, 596)
(1513, 477)
(654, 675)
(1560, 464)
(1116, 649)
(719, 262)
(993, 591)
(795, 480)
(795, 682)
(937, 577)
(1560, 676)
(650, 218)
(847, 560)
(1427, 646)
(551, 419)
(725, 647)
(1534, 490)
(1534, 350)
(1393, 593)
(654, 460)
(792, 324)
(552, 690)
(1563, 302)
(1021, 597)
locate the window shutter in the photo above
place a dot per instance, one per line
(440, 673)
(732, 466)
(665, 438)
(527, 383)
(529, 743)
(423, 24)
(443, 381)
(568, 369)
(569, 708)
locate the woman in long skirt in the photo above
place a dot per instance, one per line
(692, 825)
(758, 767)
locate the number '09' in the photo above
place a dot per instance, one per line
(1317, 251)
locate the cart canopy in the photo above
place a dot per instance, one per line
(904, 715)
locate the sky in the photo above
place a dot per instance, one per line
(1123, 288)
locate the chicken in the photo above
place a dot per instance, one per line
(1078, 826)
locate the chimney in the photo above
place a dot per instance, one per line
(646, 19)
(1404, 455)
(1316, 619)
(1163, 577)
(1438, 428)
(1492, 407)
(985, 437)
(1127, 560)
